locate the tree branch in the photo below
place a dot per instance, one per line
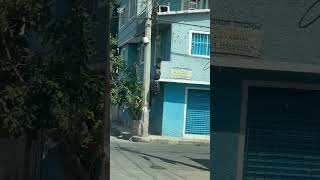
(10, 58)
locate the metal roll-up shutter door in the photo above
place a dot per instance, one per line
(198, 112)
(283, 135)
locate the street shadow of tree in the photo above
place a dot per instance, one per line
(203, 162)
(169, 161)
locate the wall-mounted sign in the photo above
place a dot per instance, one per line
(181, 73)
(236, 38)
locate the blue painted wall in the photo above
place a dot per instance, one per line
(180, 43)
(156, 113)
(165, 44)
(225, 122)
(132, 54)
(173, 108)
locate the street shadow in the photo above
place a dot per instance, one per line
(145, 156)
(203, 162)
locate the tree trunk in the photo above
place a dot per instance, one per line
(26, 162)
(105, 15)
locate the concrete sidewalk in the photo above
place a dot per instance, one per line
(153, 161)
(169, 140)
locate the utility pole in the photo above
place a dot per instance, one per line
(104, 16)
(147, 66)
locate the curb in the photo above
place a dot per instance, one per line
(170, 141)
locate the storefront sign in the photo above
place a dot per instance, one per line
(236, 38)
(181, 73)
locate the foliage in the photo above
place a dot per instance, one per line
(52, 91)
(125, 87)
(134, 93)
(118, 73)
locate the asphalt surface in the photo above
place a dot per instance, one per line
(150, 161)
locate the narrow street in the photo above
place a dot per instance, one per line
(147, 161)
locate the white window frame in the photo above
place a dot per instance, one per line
(191, 136)
(190, 44)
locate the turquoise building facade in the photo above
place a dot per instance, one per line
(181, 52)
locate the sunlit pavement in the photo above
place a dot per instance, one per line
(149, 161)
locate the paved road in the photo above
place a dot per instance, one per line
(146, 161)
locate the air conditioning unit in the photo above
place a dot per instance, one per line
(163, 8)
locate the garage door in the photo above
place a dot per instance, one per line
(198, 112)
(283, 135)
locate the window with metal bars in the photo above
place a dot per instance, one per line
(200, 44)
(198, 4)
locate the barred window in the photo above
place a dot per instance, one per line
(200, 44)
(198, 4)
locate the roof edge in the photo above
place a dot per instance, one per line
(184, 12)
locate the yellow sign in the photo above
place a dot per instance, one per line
(181, 73)
(236, 40)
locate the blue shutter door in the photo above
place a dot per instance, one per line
(283, 135)
(198, 112)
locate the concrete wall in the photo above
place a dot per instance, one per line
(180, 43)
(283, 40)
(173, 108)
(225, 123)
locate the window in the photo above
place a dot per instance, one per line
(198, 4)
(122, 16)
(200, 44)
(193, 4)
(133, 8)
